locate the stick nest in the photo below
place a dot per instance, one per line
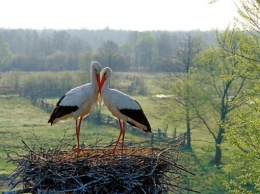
(97, 170)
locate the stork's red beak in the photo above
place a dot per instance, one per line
(101, 83)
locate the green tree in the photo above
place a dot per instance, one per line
(223, 77)
(186, 90)
(243, 138)
(187, 95)
(242, 134)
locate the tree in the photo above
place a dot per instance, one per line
(244, 138)
(242, 134)
(85, 60)
(75, 46)
(5, 56)
(110, 56)
(133, 38)
(108, 52)
(58, 61)
(60, 39)
(223, 77)
(165, 52)
(187, 95)
(146, 51)
(125, 52)
(187, 48)
(185, 89)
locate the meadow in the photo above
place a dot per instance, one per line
(20, 120)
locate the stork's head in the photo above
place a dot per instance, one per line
(96, 69)
(105, 74)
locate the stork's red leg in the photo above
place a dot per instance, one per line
(78, 131)
(123, 138)
(119, 122)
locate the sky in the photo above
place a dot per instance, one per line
(139, 15)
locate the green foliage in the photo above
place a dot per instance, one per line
(249, 12)
(244, 136)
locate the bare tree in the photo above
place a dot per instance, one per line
(108, 52)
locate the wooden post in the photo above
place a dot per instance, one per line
(184, 139)
(98, 117)
(152, 140)
(174, 133)
(166, 129)
(159, 133)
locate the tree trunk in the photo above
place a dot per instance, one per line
(188, 129)
(188, 145)
(218, 153)
(221, 131)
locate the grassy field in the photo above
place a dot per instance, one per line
(21, 120)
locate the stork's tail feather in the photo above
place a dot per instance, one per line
(148, 129)
(50, 121)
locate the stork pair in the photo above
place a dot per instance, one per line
(77, 104)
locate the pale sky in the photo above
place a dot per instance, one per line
(137, 15)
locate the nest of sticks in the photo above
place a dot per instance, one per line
(97, 170)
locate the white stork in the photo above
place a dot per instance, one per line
(78, 102)
(123, 107)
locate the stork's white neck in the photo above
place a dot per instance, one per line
(94, 82)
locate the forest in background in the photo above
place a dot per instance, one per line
(52, 50)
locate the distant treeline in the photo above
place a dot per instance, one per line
(59, 50)
(55, 84)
